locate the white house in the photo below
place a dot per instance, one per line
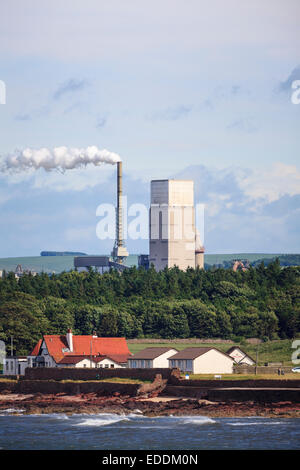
(71, 351)
(202, 361)
(84, 361)
(239, 356)
(151, 358)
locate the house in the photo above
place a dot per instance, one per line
(13, 365)
(94, 361)
(151, 358)
(239, 356)
(202, 361)
(74, 351)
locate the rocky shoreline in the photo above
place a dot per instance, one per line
(151, 406)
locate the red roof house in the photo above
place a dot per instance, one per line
(69, 348)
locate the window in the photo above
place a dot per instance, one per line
(112, 366)
(106, 366)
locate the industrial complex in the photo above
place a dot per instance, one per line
(173, 238)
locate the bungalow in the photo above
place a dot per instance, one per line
(73, 351)
(202, 361)
(239, 356)
(151, 358)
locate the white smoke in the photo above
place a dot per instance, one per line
(60, 158)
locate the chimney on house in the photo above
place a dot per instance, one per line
(70, 339)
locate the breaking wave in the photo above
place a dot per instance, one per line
(102, 420)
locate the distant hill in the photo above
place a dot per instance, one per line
(252, 259)
(62, 253)
(59, 263)
(48, 264)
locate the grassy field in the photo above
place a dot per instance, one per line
(109, 379)
(271, 351)
(124, 380)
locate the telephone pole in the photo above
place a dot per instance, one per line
(256, 359)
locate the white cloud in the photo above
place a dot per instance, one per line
(272, 183)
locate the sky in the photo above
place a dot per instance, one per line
(191, 89)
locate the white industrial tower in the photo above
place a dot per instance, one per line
(172, 224)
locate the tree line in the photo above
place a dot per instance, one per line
(261, 302)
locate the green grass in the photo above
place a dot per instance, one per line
(109, 379)
(7, 380)
(124, 380)
(271, 351)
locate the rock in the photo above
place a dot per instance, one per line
(206, 402)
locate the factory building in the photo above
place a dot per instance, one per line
(172, 237)
(101, 264)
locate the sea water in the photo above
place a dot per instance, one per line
(108, 431)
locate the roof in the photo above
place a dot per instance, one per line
(151, 353)
(74, 359)
(193, 353)
(230, 350)
(36, 349)
(58, 348)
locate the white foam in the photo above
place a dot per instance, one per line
(254, 424)
(102, 420)
(12, 410)
(199, 420)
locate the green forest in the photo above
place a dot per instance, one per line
(263, 302)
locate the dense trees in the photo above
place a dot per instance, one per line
(261, 302)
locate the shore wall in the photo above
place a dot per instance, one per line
(53, 387)
(249, 370)
(255, 395)
(253, 383)
(57, 373)
(266, 395)
(101, 388)
(7, 386)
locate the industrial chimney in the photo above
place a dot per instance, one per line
(119, 251)
(199, 252)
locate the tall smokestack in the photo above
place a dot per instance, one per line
(119, 206)
(119, 251)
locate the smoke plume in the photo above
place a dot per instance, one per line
(60, 158)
